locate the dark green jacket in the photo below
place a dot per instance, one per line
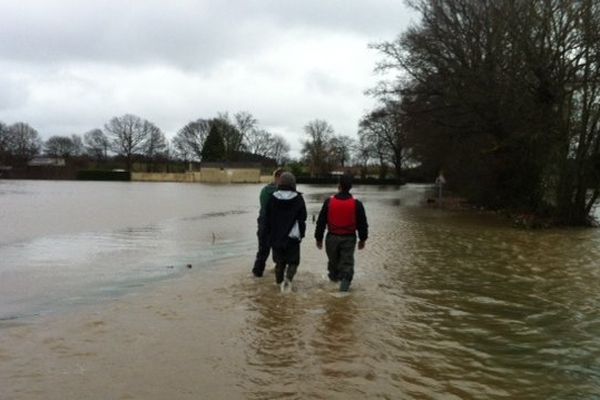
(265, 195)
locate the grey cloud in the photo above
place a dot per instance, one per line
(121, 32)
(81, 62)
(372, 18)
(12, 94)
(189, 34)
(328, 83)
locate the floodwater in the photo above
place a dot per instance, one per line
(445, 304)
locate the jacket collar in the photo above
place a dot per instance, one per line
(285, 194)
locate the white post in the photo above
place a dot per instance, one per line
(440, 181)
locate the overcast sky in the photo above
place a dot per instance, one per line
(67, 66)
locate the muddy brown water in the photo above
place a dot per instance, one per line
(445, 305)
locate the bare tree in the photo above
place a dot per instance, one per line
(78, 148)
(316, 149)
(155, 144)
(373, 146)
(340, 147)
(232, 137)
(577, 27)
(266, 144)
(506, 95)
(4, 136)
(280, 149)
(181, 151)
(23, 142)
(170, 154)
(96, 144)
(363, 153)
(258, 141)
(62, 146)
(245, 124)
(384, 129)
(189, 141)
(128, 135)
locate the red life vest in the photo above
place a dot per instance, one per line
(341, 216)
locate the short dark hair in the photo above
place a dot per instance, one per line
(287, 180)
(277, 173)
(346, 182)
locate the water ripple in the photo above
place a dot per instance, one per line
(445, 305)
(442, 309)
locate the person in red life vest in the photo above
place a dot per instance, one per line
(343, 216)
(283, 227)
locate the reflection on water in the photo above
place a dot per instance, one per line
(445, 305)
(64, 243)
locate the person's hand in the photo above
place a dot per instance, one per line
(319, 244)
(361, 244)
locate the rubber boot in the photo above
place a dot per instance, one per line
(344, 285)
(279, 273)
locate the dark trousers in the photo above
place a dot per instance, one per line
(262, 255)
(288, 256)
(340, 254)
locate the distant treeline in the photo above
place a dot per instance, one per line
(134, 144)
(128, 139)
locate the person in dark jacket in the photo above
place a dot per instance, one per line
(343, 216)
(263, 247)
(284, 226)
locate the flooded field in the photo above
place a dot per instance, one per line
(445, 305)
